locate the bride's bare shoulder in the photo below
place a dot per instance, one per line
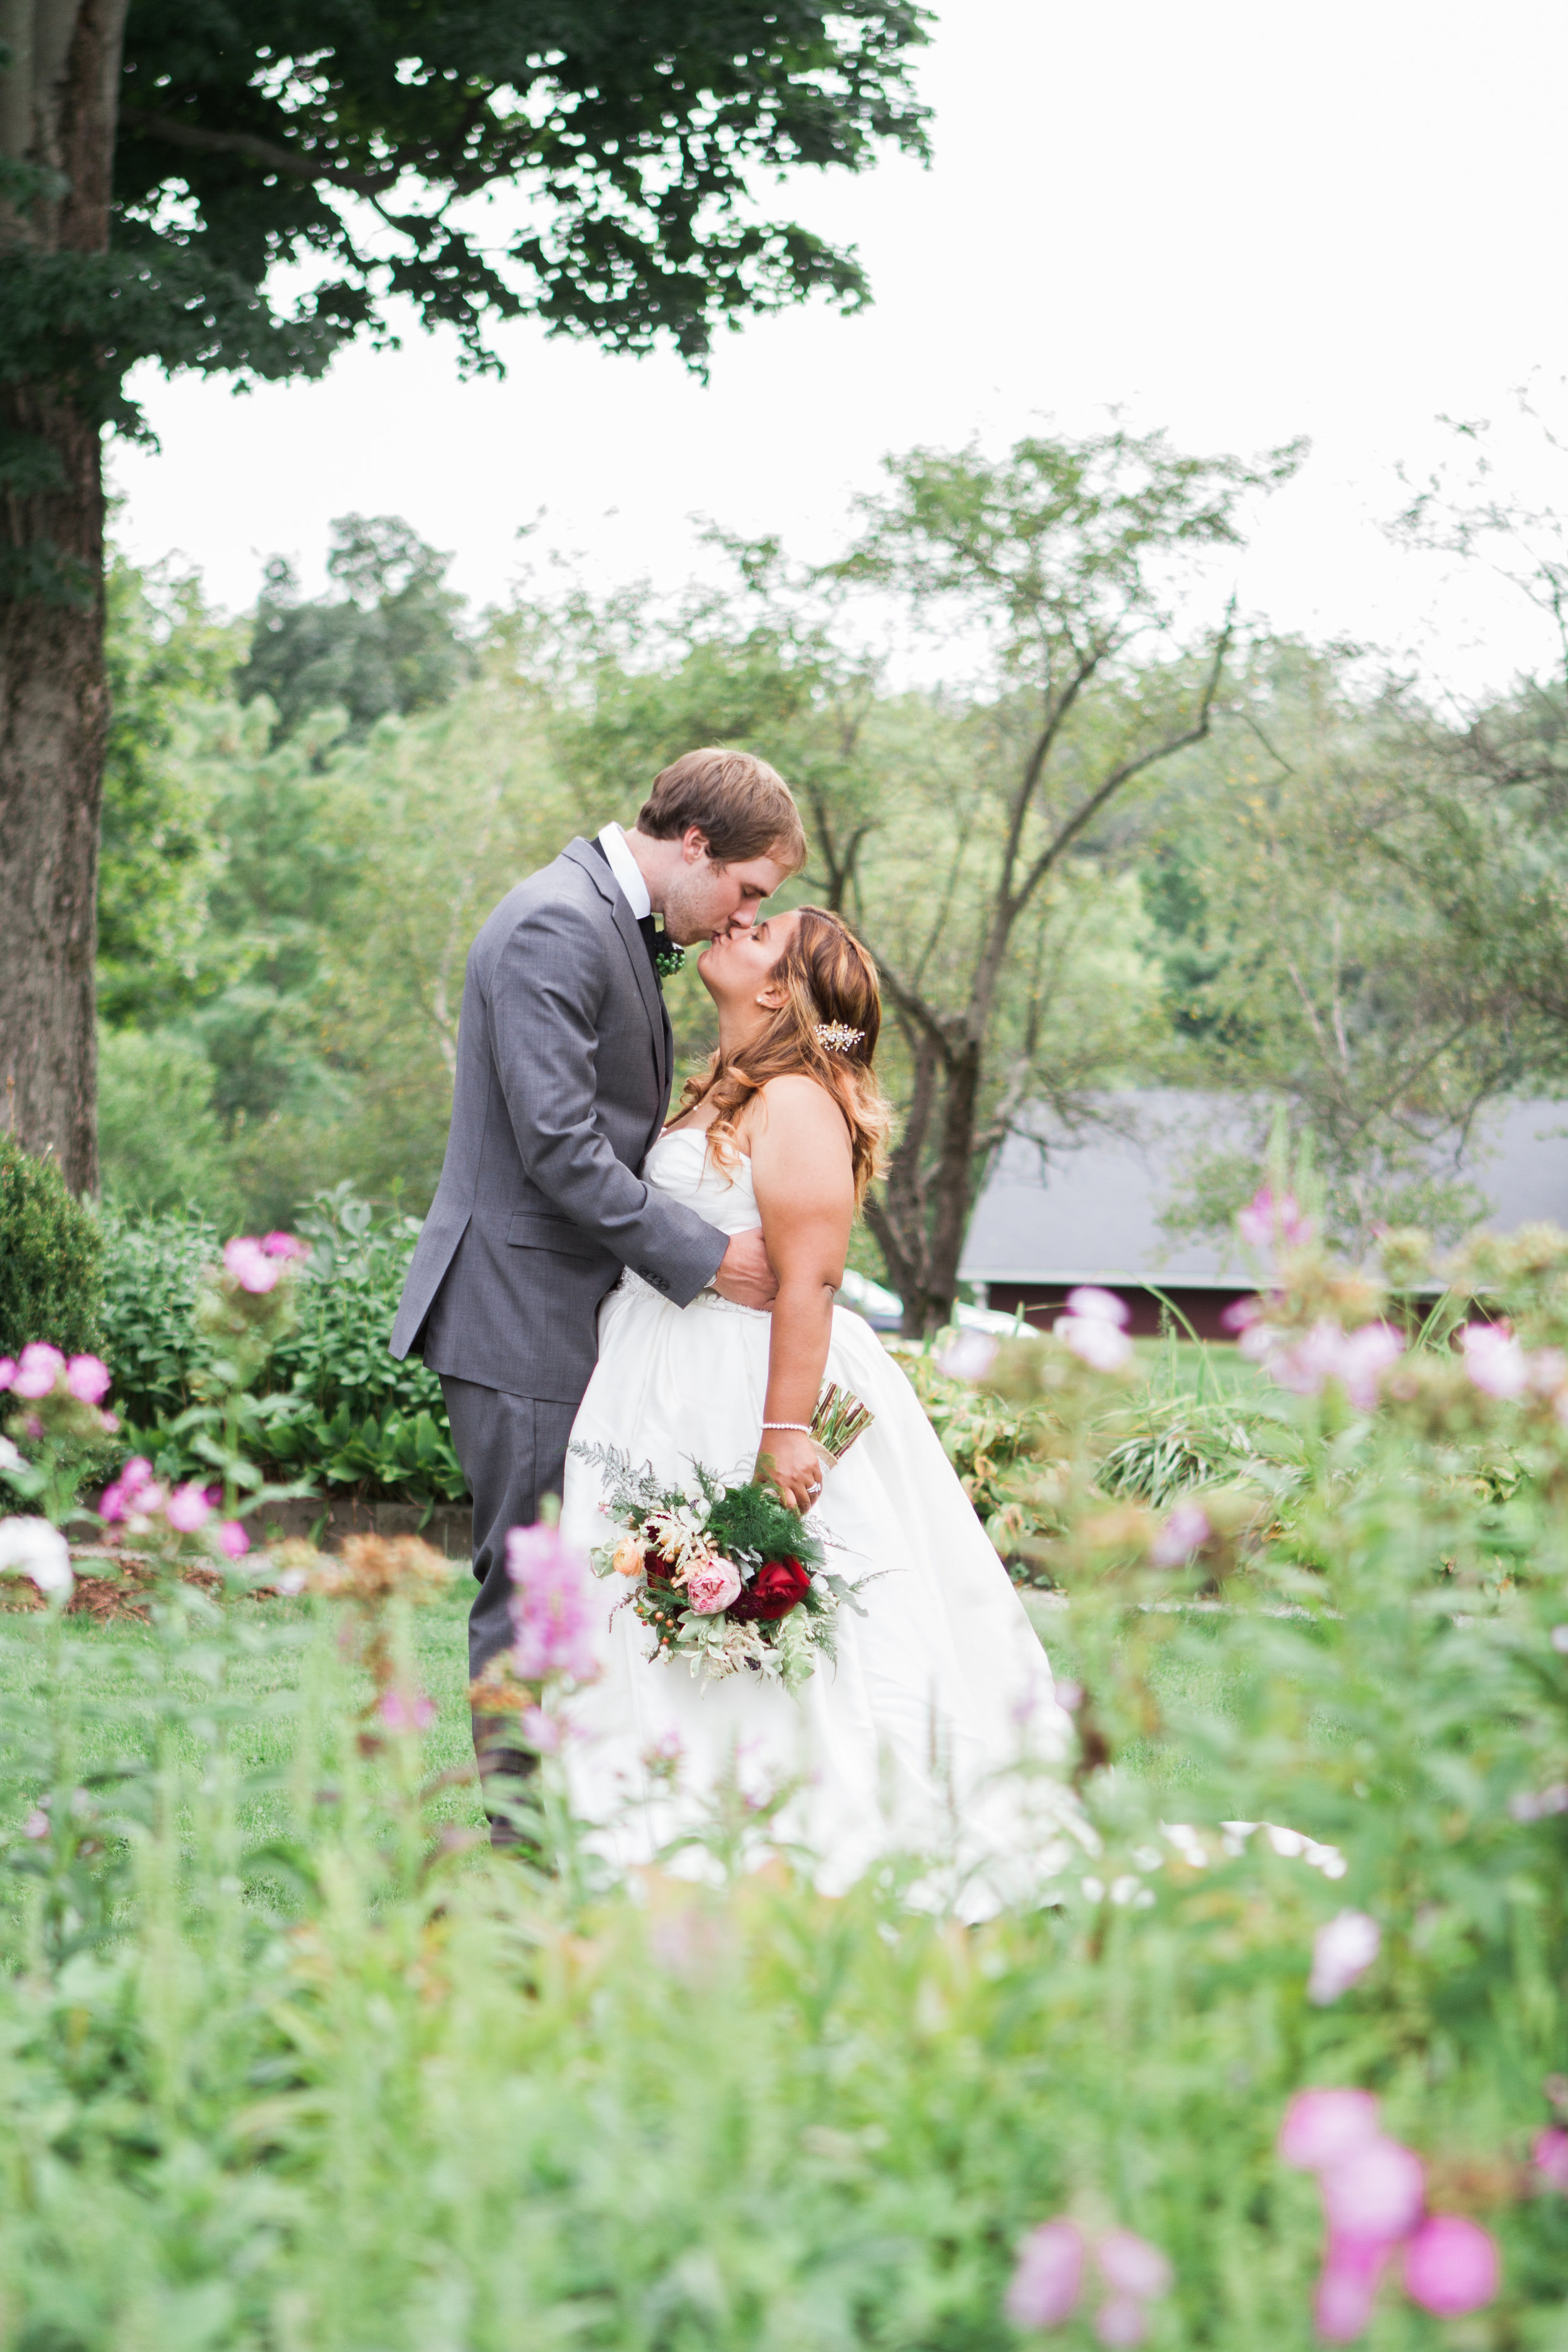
(797, 1109)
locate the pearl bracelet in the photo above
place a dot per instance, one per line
(804, 1425)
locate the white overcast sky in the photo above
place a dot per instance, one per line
(1234, 219)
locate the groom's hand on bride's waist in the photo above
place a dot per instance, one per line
(744, 1273)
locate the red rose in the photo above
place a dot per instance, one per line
(773, 1592)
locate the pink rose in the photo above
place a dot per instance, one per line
(712, 1587)
(233, 1539)
(246, 1262)
(39, 1368)
(285, 1245)
(188, 1509)
(88, 1378)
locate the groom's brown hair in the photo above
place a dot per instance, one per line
(743, 807)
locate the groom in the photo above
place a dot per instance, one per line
(564, 1063)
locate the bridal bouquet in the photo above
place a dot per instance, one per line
(725, 1576)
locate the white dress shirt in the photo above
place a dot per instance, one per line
(626, 871)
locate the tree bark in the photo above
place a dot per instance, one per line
(57, 114)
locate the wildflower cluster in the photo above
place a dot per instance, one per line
(1049, 2281)
(1374, 2191)
(553, 1615)
(138, 1502)
(247, 1304)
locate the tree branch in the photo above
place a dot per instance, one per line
(286, 160)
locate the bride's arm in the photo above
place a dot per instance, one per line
(805, 1183)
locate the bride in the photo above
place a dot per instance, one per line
(940, 1687)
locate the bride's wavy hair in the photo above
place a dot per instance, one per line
(829, 982)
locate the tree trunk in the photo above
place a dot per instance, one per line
(57, 97)
(54, 717)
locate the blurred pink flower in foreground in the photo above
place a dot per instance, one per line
(233, 1539)
(1494, 1360)
(1450, 2266)
(1375, 2192)
(247, 1262)
(1048, 2280)
(1344, 1949)
(401, 1711)
(1549, 2154)
(1320, 2126)
(1049, 2277)
(88, 1378)
(1268, 1223)
(965, 1355)
(1093, 1327)
(188, 1509)
(1184, 1532)
(38, 1367)
(285, 1245)
(1357, 1359)
(552, 1605)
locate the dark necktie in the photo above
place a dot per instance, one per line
(644, 923)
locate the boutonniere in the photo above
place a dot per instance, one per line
(668, 959)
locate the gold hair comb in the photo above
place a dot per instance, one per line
(836, 1037)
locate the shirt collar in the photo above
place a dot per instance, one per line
(626, 871)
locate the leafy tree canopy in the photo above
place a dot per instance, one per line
(358, 144)
(391, 643)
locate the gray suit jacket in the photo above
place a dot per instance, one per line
(564, 1061)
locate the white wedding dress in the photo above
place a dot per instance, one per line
(936, 1734)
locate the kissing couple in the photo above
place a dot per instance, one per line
(592, 1276)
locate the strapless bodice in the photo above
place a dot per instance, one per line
(681, 1165)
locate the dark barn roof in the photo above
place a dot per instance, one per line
(1089, 1210)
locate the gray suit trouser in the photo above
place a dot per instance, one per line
(513, 1453)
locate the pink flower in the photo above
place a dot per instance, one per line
(1122, 2319)
(285, 1245)
(37, 1824)
(1320, 2127)
(111, 1424)
(1375, 2191)
(539, 1730)
(39, 1368)
(965, 1355)
(1268, 1223)
(400, 1712)
(1549, 2156)
(1184, 1532)
(1130, 2265)
(1347, 2285)
(1242, 1314)
(1344, 1949)
(1092, 1328)
(233, 1539)
(1365, 1356)
(1494, 1360)
(1097, 1306)
(712, 1587)
(7, 1372)
(1049, 2277)
(1451, 2265)
(246, 1262)
(188, 1509)
(88, 1378)
(551, 1606)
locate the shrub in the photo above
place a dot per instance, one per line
(357, 1416)
(51, 1285)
